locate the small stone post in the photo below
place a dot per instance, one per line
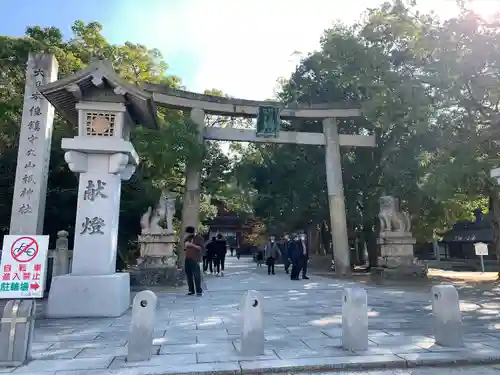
(252, 334)
(141, 331)
(447, 319)
(354, 319)
(60, 265)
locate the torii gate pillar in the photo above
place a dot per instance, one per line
(191, 205)
(336, 200)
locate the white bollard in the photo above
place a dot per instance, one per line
(140, 343)
(447, 318)
(354, 319)
(252, 334)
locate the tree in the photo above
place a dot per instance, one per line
(163, 152)
(462, 69)
(383, 63)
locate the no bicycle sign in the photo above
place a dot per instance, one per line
(23, 267)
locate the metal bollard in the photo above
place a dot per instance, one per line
(354, 319)
(16, 333)
(140, 341)
(447, 318)
(252, 334)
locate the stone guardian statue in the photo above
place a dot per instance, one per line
(396, 242)
(157, 264)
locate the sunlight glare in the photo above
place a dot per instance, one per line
(485, 8)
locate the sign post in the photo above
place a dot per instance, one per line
(481, 250)
(22, 279)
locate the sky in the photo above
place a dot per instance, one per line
(238, 46)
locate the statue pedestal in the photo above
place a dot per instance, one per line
(157, 264)
(396, 258)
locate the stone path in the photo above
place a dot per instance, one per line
(303, 329)
(468, 370)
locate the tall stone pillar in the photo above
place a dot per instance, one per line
(30, 187)
(191, 205)
(336, 202)
(103, 157)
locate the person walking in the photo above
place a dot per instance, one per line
(295, 257)
(303, 257)
(193, 245)
(204, 257)
(210, 254)
(221, 249)
(286, 253)
(259, 257)
(272, 253)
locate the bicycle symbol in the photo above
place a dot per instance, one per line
(24, 248)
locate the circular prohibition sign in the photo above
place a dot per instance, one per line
(24, 249)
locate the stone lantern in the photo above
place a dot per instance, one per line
(105, 109)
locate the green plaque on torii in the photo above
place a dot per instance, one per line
(268, 121)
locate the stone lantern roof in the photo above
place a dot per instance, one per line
(99, 83)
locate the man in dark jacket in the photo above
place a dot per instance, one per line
(304, 256)
(295, 252)
(286, 253)
(221, 249)
(210, 256)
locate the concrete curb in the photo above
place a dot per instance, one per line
(334, 364)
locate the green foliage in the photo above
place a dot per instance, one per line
(429, 93)
(164, 152)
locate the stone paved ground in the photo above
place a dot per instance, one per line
(302, 324)
(475, 370)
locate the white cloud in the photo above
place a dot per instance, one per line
(244, 46)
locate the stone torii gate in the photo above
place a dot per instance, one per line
(201, 105)
(105, 108)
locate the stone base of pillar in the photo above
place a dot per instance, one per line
(396, 258)
(89, 296)
(169, 276)
(157, 265)
(413, 271)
